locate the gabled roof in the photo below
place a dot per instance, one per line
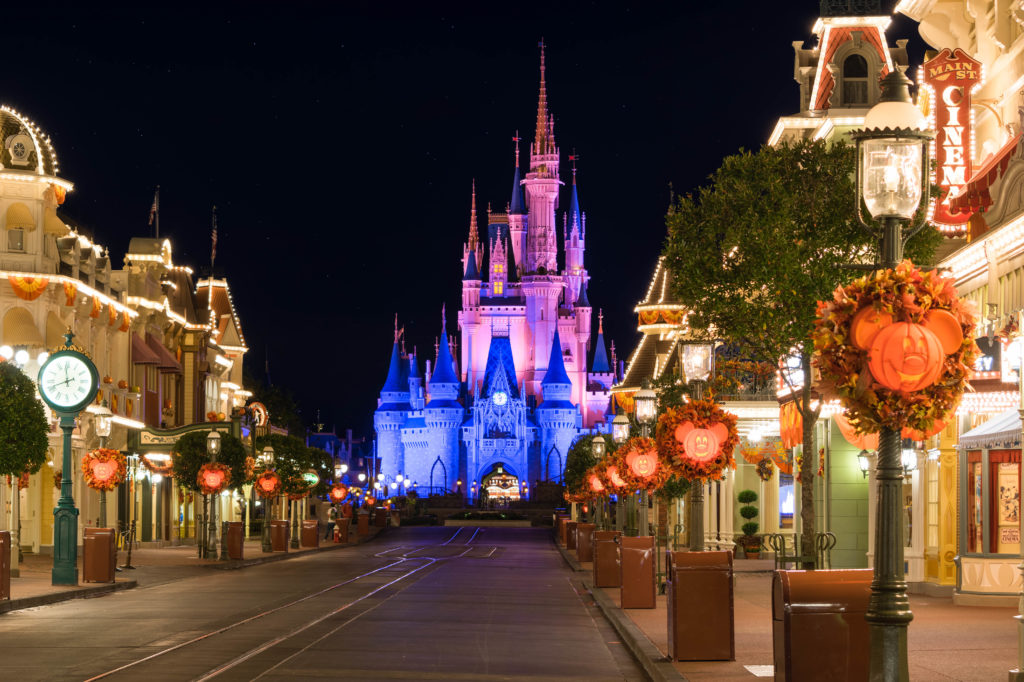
(659, 291)
(215, 294)
(500, 362)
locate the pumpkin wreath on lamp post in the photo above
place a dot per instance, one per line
(213, 478)
(898, 349)
(642, 465)
(698, 438)
(104, 469)
(268, 484)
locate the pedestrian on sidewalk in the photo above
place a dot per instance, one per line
(332, 517)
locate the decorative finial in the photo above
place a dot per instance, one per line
(442, 317)
(396, 327)
(516, 139)
(474, 235)
(574, 157)
(540, 137)
(600, 321)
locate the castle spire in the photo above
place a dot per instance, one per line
(600, 364)
(544, 140)
(516, 206)
(474, 234)
(444, 367)
(556, 373)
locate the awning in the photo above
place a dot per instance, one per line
(55, 329)
(18, 216)
(976, 196)
(141, 354)
(165, 361)
(19, 329)
(1000, 431)
(54, 225)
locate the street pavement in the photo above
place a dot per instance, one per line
(414, 604)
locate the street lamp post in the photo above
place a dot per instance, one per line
(598, 448)
(212, 449)
(133, 471)
(103, 421)
(620, 434)
(698, 364)
(646, 402)
(267, 460)
(892, 179)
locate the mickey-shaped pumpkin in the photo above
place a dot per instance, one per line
(643, 463)
(906, 356)
(701, 444)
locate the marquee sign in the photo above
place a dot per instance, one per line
(951, 78)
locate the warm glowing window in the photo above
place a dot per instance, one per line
(499, 288)
(499, 269)
(16, 239)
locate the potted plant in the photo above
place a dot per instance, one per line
(750, 540)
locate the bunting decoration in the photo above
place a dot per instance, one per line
(126, 322)
(28, 288)
(112, 313)
(97, 307)
(70, 293)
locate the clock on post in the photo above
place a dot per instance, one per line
(68, 382)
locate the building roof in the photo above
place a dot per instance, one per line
(500, 362)
(582, 301)
(1001, 431)
(26, 148)
(575, 216)
(851, 8)
(227, 328)
(516, 205)
(600, 364)
(659, 291)
(556, 373)
(472, 274)
(444, 370)
(393, 384)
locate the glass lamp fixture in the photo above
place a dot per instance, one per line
(597, 447)
(646, 401)
(398, 477)
(267, 457)
(362, 477)
(338, 470)
(620, 428)
(157, 478)
(908, 456)
(6, 352)
(697, 361)
(213, 444)
(864, 462)
(380, 477)
(21, 357)
(104, 420)
(892, 153)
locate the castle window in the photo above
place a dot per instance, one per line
(499, 288)
(499, 269)
(855, 80)
(16, 239)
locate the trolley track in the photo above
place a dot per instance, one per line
(276, 635)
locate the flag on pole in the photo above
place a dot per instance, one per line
(213, 240)
(154, 210)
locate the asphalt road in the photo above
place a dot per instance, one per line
(416, 604)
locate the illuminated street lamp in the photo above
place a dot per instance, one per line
(892, 181)
(103, 422)
(212, 449)
(646, 401)
(620, 428)
(267, 460)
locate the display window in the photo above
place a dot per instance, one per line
(993, 502)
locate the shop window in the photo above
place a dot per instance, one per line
(993, 502)
(855, 81)
(787, 501)
(932, 521)
(16, 239)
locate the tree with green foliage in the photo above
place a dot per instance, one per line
(752, 253)
(23, 430)
(189, 456)
(580, 459)
(291, 459)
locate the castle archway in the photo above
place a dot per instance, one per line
(500, 485)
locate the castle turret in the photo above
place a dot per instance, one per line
(517, 218)
(542, 185)
(575, 246)
(557, 416)
(473, 244)
(392, 410)
(443, 417)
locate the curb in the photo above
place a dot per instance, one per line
(657, 666)
(233, 564)
(569, 559)
(57, 597)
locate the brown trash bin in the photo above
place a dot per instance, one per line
(701, 619)
(560, 521)
(310, 533)
(607, 571)
(363, 525)
(584, 547)
(818, 626)
(341, 530)
(381, 519)
(637, 561)
(570, 534)
(99, 555)
(5, 564)
(235, 539)
(279, 536)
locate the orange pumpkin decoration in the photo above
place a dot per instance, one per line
(595, 484)
(213, 478)
(915, 434)
(268, 484)
(370, 501)
(643, 464)
(339, 492)
(701, 444)
(863, 441)
(613, 474)
(122, 383)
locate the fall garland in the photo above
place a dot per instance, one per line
(268, 484)
(213, 477)
(904, 294)
(699, 414)
(639, 446)
(104, 469)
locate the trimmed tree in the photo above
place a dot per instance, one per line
(752, 253)
(23, 430)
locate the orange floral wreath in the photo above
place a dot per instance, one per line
(639, 446)
(903, 294)
(701, 414)
(268, 484)
(104, 469)
(213, 478)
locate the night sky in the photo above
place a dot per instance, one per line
(339, 142)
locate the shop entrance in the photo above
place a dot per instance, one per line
(499, 488)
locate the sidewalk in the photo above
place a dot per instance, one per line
(152, 567)
(945, 642)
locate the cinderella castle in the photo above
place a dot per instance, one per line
(500, 408)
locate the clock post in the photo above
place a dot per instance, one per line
(68, 382)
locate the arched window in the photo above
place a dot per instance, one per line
(441, 477)
(855, 81)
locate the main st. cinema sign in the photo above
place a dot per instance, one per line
(951, 78)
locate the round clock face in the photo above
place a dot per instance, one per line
(66, 381)
(18, 149)
(500, 398)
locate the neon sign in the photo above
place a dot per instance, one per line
(951, 77)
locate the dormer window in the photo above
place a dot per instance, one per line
(855, 81)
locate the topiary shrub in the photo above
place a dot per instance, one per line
(748, 512)
(747, 496)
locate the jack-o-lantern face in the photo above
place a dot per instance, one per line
(643, 464)
(595, 483)
(701, 445)
(103, 471)
(339, 493)
(267, 483)
(213, 479)
(906, 356)
(613, 474)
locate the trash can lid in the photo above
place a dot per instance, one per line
(833, 591)
(700, 560)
